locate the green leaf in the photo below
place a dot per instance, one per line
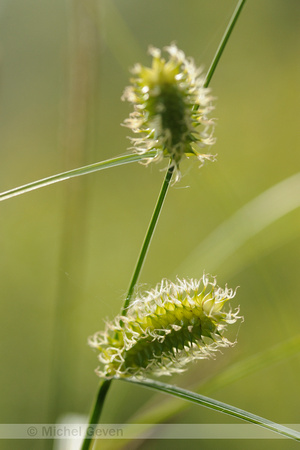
(216, 406)
(241, 369)
(118, 161)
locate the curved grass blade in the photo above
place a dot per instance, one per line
(216, 406)
(231, 374)
(151, 414)
(118, 161)
(266, 208)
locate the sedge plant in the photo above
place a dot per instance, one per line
(161, 331)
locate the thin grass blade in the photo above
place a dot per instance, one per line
(216, 406)
(114, 162)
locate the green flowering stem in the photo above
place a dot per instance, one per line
(224, 41)
(104, 386)
(148, 237)
(95, 413)
(118, 161)
(216, 406)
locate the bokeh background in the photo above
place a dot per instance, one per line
(68, 251)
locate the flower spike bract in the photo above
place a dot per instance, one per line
(165, 329)
(171, 106)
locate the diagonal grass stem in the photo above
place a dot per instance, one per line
(148, 237)
(105, 385)
(118, 161)
(224, 41)
(96, 411)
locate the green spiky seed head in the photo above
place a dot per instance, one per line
(165, 329)
(171, 107)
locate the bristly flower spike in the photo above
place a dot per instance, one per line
(169, 326)
(171, 106)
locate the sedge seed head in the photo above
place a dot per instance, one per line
(171, 108)
(165, 329)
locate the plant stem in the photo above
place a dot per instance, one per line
(224, 41)
(148, 237)
(96, 411)
(118, 161)
(104, 386)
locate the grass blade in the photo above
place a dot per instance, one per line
(150, 414)
(244, 224)
(216, 406)
(118, 161)
(231, 374)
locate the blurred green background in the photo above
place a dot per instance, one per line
(68, 251)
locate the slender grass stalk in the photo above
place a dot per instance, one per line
(148, 237)
(224, 41)
(118, 161)
(217, 406)
(105, 385)
(96, 411)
